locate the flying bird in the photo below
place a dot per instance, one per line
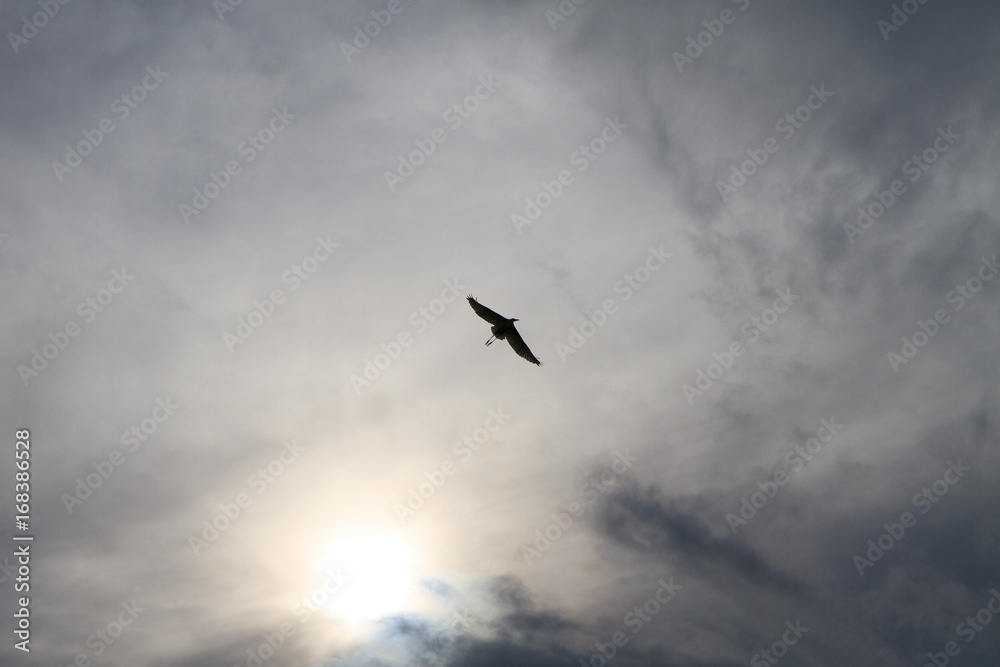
(503, 329)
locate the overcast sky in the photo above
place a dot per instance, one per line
(752, 242)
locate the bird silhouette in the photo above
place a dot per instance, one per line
(503, 329)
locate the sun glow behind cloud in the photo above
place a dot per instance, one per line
(378, 577)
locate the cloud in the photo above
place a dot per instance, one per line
(640, 519)
(324, 176)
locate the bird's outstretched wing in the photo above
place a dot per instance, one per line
(487, 314)
(516, 342)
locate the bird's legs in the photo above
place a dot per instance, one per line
(492, 338)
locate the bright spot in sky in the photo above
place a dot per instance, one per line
(378, 577)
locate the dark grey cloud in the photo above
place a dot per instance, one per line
(641, 519)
